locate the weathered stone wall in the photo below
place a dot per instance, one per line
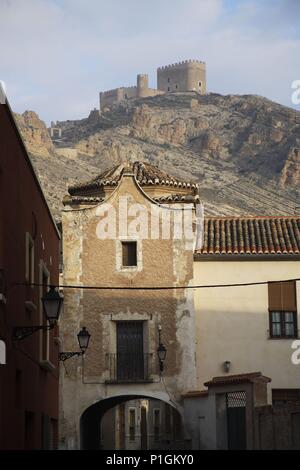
(110, 97)
(91, 261)
(277, 428)
(189, 75)
(142, 90)
(183, 76)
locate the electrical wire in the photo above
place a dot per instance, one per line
(199, 286)
(167, 392)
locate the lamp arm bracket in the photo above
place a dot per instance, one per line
(22, 332)
(64, 355)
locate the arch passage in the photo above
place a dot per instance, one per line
(156, 423)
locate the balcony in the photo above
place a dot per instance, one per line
(130, 368)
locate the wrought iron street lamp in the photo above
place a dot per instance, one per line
(83, 340)
(52, 302)
(161, 351)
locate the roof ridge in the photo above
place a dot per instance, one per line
(251, 217)
(145, 174)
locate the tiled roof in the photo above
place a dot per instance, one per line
(85, 199)
(195, 394)
(250, 235)
(144, 173)
(237, 379)
(177, 198)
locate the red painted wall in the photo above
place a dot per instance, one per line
(28, 390)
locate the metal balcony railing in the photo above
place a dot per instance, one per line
(127, 367)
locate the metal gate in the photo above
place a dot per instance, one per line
(130, 350)
(236, 420)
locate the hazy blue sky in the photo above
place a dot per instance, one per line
(56, 55)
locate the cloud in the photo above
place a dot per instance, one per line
(56, 55)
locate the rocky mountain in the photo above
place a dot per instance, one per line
(243, 150)
(35, 134)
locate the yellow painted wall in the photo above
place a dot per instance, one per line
(232, 323)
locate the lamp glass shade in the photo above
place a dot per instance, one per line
(52, 302)
(161, 352)
(83, 338)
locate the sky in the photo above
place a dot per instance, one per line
(57, 55)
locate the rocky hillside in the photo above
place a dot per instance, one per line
(35, 134)
(243, 150)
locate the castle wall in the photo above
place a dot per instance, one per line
(129, 92)
(182, 77)
(189, 75)
(107, 98)
(152, 92)
(110, 97)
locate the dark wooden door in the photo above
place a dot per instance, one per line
(130, 350)
(236, 420)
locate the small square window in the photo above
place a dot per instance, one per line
(129, 253)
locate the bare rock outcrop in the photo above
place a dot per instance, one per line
(243, 150)
(290, 174)
(35, 134)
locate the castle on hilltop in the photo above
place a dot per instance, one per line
(189, 75)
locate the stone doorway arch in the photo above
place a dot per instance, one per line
(90, 421)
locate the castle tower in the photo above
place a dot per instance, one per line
(189, 75)
(142, 85)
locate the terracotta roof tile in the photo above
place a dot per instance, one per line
(144, 173)
(237, 379)
(195, 394)
(83, 199)
(177, 198)
(251, 235)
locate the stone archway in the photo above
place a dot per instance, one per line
(90, 421)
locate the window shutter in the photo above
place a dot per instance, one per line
(282, 296)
